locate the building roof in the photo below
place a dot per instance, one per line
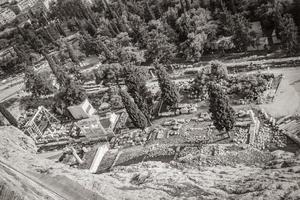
(105, 122)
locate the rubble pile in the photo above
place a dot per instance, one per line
(25, 116)
(130, 138)
(270, 130)
(240, 135)
(257, 129)
(223, 154)
(54, 133)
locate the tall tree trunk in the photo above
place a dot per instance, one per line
(111, 12)
(152, 15)
(115, 27)
(107, 52)
(232, 6)
(188, 4)
(51, 63)
(122, 6)
(10, 118)
(182, 6)
(112, 31)
(160, 10)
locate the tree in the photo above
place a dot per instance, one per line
(199, 84)
(218, 71)
(242, 37)
(237, 26)
(109, 74)
(288, 33)
(61, 76)
(193, 47)
(269, 14)
(38, 83)
(60, 29)
(159, 47)
(215, 72)
(137, 117)
(72, 54)
(169, 92)
(69, 94)
(222, 113)
(91, 29)
(22, 56)
(135, 80)
(196, 29)
(89, 46)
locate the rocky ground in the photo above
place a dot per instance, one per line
(274, 176)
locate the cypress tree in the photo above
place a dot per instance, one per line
(222, 113)
(72, 54)
(91, 29)
(61, 29)
(136, 86)
(107, 52)
(151, 13)
(61, 76)
(169, 92)
(188, 4)
(137, 117)
(22, 55)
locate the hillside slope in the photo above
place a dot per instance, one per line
(277, 179)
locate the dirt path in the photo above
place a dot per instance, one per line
(287, 99)
(34, 188)
(10, 92)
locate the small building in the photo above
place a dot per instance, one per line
(82, 111)
(92, 127)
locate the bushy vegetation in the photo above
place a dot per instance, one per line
(125, 34)
(39, 84)
(248, 87)
(138, 31)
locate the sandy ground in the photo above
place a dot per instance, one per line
(287, 99)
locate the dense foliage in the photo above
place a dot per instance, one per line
(136, 31)
(38, 84)
(169, 91)
(248, 86)
(70, 94)
(215, 72)
(135, 80)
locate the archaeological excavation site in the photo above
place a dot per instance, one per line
(149, 100)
